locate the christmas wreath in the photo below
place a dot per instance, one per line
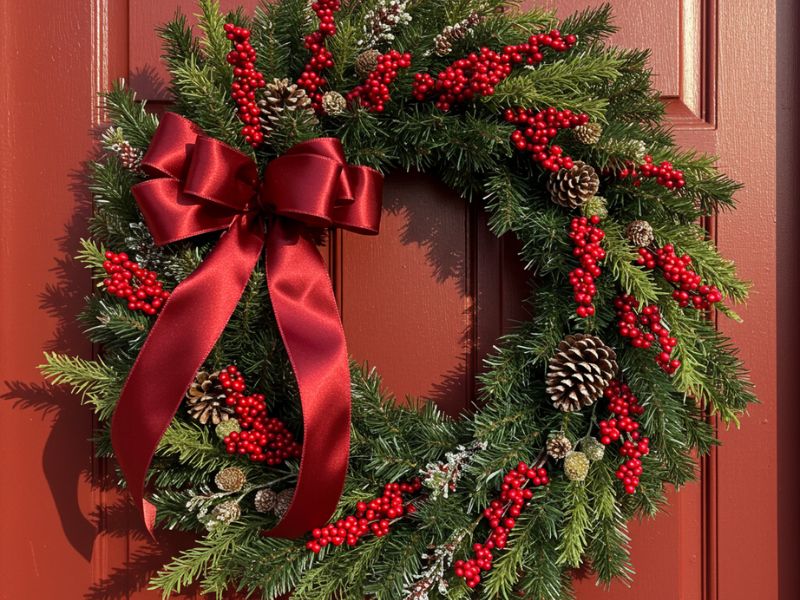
(224, 365)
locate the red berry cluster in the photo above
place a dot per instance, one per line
(140, 287)
(625, 407)
(643, 327)
(373, 94)
(690, 290)
(262, 438)
(501, 514)
(375, 516)
(664, 173)
(311, 79)
(630, 471)
(246, 80)
(479, 73)
(536, 130)
(586, 236)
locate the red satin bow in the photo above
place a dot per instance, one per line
(202, 185)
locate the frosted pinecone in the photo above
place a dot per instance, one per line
(367, 62)
(380, 23)
(558, 446)
(596, 206)
(282, 502)
(640, 233)
(443, 43)
(225, 513)
(576, 466)
(588, 134)
(230, 479)
(266, 500)
(333, 103)
(593, 449)
(226, 428)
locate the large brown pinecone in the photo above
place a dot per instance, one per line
(206, 399)
(571, 188)
(281, 95)
(579, 372)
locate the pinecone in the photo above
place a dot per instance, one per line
(593, 449)
(265, 500)
(280, 95)
(579, 372)
(333, 103)
(367, 62)
(576, 466)
(640, 233)
(558, 446)
(573, 187)
(130, 157)
(206, 399)
(226, 512)
(588, 134)
(226, 428)
(595, 206)
(282, 502)
(230, 479)
(443, 43)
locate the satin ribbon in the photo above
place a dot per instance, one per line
(201, 185)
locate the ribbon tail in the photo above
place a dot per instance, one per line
(189, 325)
(308, 318)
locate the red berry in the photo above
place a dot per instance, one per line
(246, 80)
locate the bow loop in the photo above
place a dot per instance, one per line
(221, 175)
(171, 147)
(302, 187)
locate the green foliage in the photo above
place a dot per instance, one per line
(468, 148)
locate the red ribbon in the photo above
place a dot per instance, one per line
(201, 185)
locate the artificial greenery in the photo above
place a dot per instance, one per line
(567, 523)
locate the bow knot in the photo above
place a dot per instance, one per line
(201, 185)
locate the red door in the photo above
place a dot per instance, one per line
(64, 532)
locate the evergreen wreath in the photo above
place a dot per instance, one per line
(585, 412)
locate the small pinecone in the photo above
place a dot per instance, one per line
(130, 157)
(558, 446)
(226, 428)
(443, 43)
(579, 372)
(367, 62)
(596, 206)
(573, 187)
(282, 502)
(280, 95)
(640, 233)
(588, 134)
(227, 512)
(333, 103)
(230, 479)
(266, 500)
(576, 466)
(206, 399)
(593, 449)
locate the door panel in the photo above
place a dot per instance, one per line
(423, 302)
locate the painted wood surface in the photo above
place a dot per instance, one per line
(445, 289)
